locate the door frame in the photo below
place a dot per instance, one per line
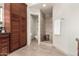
(29, 28)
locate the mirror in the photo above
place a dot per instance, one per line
(1, 18)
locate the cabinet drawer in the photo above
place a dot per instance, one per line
(5, 50)
(5, 45)
(4, 40)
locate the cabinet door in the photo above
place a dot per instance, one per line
(23, 23)
(14, 41)
(22, 10)
(23, 31)
(18, 8)
(15, 8)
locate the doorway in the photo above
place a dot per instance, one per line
(46, 25)
(44, 31)
(34, 28)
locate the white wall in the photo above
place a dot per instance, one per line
(69, 27)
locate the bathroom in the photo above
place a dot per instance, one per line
(41, 24)
(46, 25)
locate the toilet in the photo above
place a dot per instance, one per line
(36, 36)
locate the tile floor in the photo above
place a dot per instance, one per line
(35, 50)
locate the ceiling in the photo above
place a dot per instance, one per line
(46, 10)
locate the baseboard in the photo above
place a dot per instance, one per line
(61, 51)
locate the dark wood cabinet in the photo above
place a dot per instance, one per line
(16, 23)
(4, 44)
(22, 31)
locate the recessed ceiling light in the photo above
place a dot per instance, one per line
(44, 5)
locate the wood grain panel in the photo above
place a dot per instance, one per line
(16, 22)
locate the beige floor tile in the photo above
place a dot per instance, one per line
(35, 50)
